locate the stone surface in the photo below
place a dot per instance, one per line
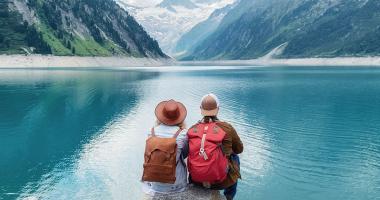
(192, 193)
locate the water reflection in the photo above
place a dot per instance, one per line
(309, 133)
(47, 116)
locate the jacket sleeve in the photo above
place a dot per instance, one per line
(232, 141)
(227, 145)
(237, 144)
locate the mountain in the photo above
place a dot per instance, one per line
(72, 27)
(205, 1)
(201, 31)
(296, 28)
(168, 4)
(168, 20)
(15, 34)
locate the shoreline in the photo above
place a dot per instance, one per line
(41, 61)
(297, 62)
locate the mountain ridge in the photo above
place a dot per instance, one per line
(168, 25)
(310, 28)
(168, 4)
(77, 27)
(201, 31)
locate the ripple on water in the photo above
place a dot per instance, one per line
(307, 134)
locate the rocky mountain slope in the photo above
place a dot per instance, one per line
(72, 27)
(168, 20)
(301, 28)
(201, 31)
(169, 4)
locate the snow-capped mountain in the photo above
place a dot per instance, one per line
(184, 3)
(201, 31)
(168, 20)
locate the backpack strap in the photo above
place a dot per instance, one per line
(202, 151)
(152, 132)
(177, 133)
(181, 159)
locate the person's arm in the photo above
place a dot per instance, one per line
(185, 148)
(227, 145)
(235, 143)
(183, 143)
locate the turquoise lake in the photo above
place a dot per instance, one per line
(309, 132)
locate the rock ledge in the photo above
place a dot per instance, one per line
(192, 193)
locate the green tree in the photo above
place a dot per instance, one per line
(35, 39)
(68, 44)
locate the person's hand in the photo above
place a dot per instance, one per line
(206, 184)
(182, 125)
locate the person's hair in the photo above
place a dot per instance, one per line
(182, 125)
(157, 123)
(208, 119)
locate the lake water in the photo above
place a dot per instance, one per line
(309, 133)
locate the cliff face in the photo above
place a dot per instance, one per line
(307, 28)
(168, 20)
(72, 27)
(201, 31)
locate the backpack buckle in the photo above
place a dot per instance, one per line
(216, 130)
(202, 152)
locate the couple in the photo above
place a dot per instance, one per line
(210, 146)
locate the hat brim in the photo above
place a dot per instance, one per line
(210, 112)
(159, 112)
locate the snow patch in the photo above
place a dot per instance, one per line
(167, 26)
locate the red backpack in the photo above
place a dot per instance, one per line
(206, 161)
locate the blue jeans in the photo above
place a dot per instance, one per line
(230, 192)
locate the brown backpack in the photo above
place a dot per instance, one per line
(160, 159)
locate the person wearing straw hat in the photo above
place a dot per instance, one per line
(165, 171)
(213, 147)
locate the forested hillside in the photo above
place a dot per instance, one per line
(304, 28)
(16, 35)
(72, 27)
